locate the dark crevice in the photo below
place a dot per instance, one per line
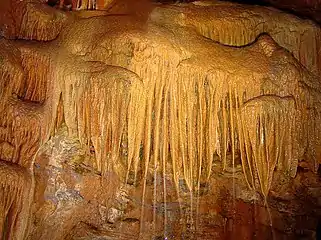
(53, 3)
(66, 5)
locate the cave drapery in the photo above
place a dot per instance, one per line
(170, 91)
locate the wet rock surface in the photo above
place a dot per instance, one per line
(75, 203)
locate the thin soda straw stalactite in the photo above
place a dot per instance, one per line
(165, 146)
(245, 157)
(213, 136)
(147, 146)
(224, 131)
(182, 131)
(200, 132)
(232, 133)
(190, 96)
(136, 125)
(156, 145)
(174, 140)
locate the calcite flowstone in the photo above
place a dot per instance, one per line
(197, 120)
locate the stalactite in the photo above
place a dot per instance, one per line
(268, 124)
(96, 109)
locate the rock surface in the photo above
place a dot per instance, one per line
(182, 121)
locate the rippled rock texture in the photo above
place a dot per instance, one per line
(183, 121)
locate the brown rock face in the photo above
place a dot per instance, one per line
(306, 8)
(186, 121)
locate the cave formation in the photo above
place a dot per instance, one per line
(158, 120)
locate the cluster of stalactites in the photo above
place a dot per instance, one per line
(172, 118)
(177, 116)
(184, 115)
(183, 121)
(173, 115)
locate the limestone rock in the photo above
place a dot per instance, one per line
(188, 120)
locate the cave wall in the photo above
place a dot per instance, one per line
(169, 92)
